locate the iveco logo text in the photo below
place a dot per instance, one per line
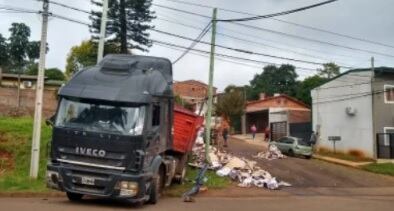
(90, 152)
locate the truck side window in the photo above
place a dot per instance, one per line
(156, 115)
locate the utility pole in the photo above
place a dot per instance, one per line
(103, 28)
(210, 87)
(373, 64)
(35, 148)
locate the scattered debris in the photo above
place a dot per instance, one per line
(242, 170)
(272, 153)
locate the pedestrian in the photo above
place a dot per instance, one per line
(253, 129)
(313, 139)
(225, 131)
(267, 134)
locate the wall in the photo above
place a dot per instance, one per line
(191, 90)
(329, 112)
(383, 112)
(9, 101)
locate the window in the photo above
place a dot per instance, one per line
(156, 115)
(388, 131)
(388, 93)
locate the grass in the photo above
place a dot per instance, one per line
(213, 182)
(15, 136)
(380, 168)
(344, 156)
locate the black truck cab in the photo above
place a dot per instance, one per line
(112, 130)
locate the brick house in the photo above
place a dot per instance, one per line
(284, 115)
(193, 92)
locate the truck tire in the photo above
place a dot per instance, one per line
(74, 196)
(156, 187)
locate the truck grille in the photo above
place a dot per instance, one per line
(111, 159)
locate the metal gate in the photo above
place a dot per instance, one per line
(385, 145)
(278, 130)
(301, 130)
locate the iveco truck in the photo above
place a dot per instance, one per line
(113, 132)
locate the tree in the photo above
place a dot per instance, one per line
(329, 70)
(304, 90)
(51, 73)
(274, 80)
(3, 52)
(128, 23)
(231, 105)
(85, 55)
(18, 41)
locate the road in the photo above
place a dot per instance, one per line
(309, 174)
(322, 203)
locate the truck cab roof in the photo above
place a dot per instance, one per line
(122, 78)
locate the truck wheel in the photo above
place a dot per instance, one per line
(156, 187)
(74, 196)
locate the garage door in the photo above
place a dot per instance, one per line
(278, 130)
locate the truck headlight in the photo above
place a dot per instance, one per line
(127, 188)
(53, 178)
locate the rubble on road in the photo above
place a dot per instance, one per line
(242, 170)
(271, 154)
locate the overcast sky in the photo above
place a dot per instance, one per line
(367, 19)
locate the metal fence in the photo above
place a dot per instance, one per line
(385, 145)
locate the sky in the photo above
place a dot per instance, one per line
(365, 19)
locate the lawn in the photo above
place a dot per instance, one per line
(15, 141)
(380, 168)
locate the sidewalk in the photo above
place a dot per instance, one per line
(259, 139)
(340, 161)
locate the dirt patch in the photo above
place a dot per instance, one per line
(6, 162)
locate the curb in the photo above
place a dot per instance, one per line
(341, 162)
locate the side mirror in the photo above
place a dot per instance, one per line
(50, 121)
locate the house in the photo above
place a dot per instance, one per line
(284, 115)
(193, 92)
(356, 109)
(26, 81)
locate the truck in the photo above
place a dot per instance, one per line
(116, 132)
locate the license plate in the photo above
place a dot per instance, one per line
(87, 180)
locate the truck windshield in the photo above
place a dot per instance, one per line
(100, 117)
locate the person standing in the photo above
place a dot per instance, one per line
(267, 132)
(225, 131)
(313, 140)
(253, 129)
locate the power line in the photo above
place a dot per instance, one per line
(281, 33)
(228, 56)
(69, 19)
(69, 7)
(279, 13)
(288, 22)
(195, 42)
(245, 51)
(260, 43)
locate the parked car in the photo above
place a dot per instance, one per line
(293, 146)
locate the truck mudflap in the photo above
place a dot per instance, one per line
(99, 182)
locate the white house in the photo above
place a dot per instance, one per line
(356, 107)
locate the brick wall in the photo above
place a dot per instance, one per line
(299, 116)
(9, 101)
(191, 89)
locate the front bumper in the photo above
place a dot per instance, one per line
(303, 152)
(101, 182)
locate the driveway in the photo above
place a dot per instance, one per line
(303, 173)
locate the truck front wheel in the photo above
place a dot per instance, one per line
(156, 187)
(74, 196)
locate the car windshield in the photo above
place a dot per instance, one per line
(89, 116)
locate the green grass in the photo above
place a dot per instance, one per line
(344, 156)
(213, 182)
(15, 138)
(380, 168)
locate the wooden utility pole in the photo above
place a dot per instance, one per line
(210, 87)
(35, 148)
(103, 28)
